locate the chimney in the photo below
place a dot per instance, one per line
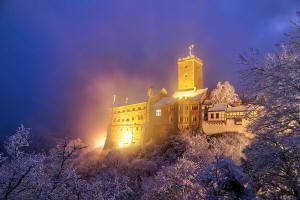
(114, 99)
(150, 91)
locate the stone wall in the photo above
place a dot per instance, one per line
(229, 125)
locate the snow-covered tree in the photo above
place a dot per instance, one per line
(16, 169)
(25, 175)
(273, 158)
(294, 34)
(224, 93)
(2, 158)
(203, 172)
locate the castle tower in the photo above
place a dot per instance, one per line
(190, 72)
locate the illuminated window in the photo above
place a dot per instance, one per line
(158, 112)
(126, 138)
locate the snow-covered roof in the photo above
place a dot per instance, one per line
(207, 102)
(194, 95)
(218, 107)
(164, 101)
(237, 109)
(225, 107)
(130, 102)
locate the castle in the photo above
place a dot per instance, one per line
(161, 114)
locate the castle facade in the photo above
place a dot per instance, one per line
(162, 114)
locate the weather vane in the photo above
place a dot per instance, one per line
(191, 49)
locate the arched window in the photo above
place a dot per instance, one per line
(181, 119)
(194, 118)
(170, 118)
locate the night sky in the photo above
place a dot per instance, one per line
(61, 60)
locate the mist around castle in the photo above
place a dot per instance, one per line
(194, 143)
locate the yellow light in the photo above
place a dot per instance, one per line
(126, 139)
(188, 93)
(99, 142)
